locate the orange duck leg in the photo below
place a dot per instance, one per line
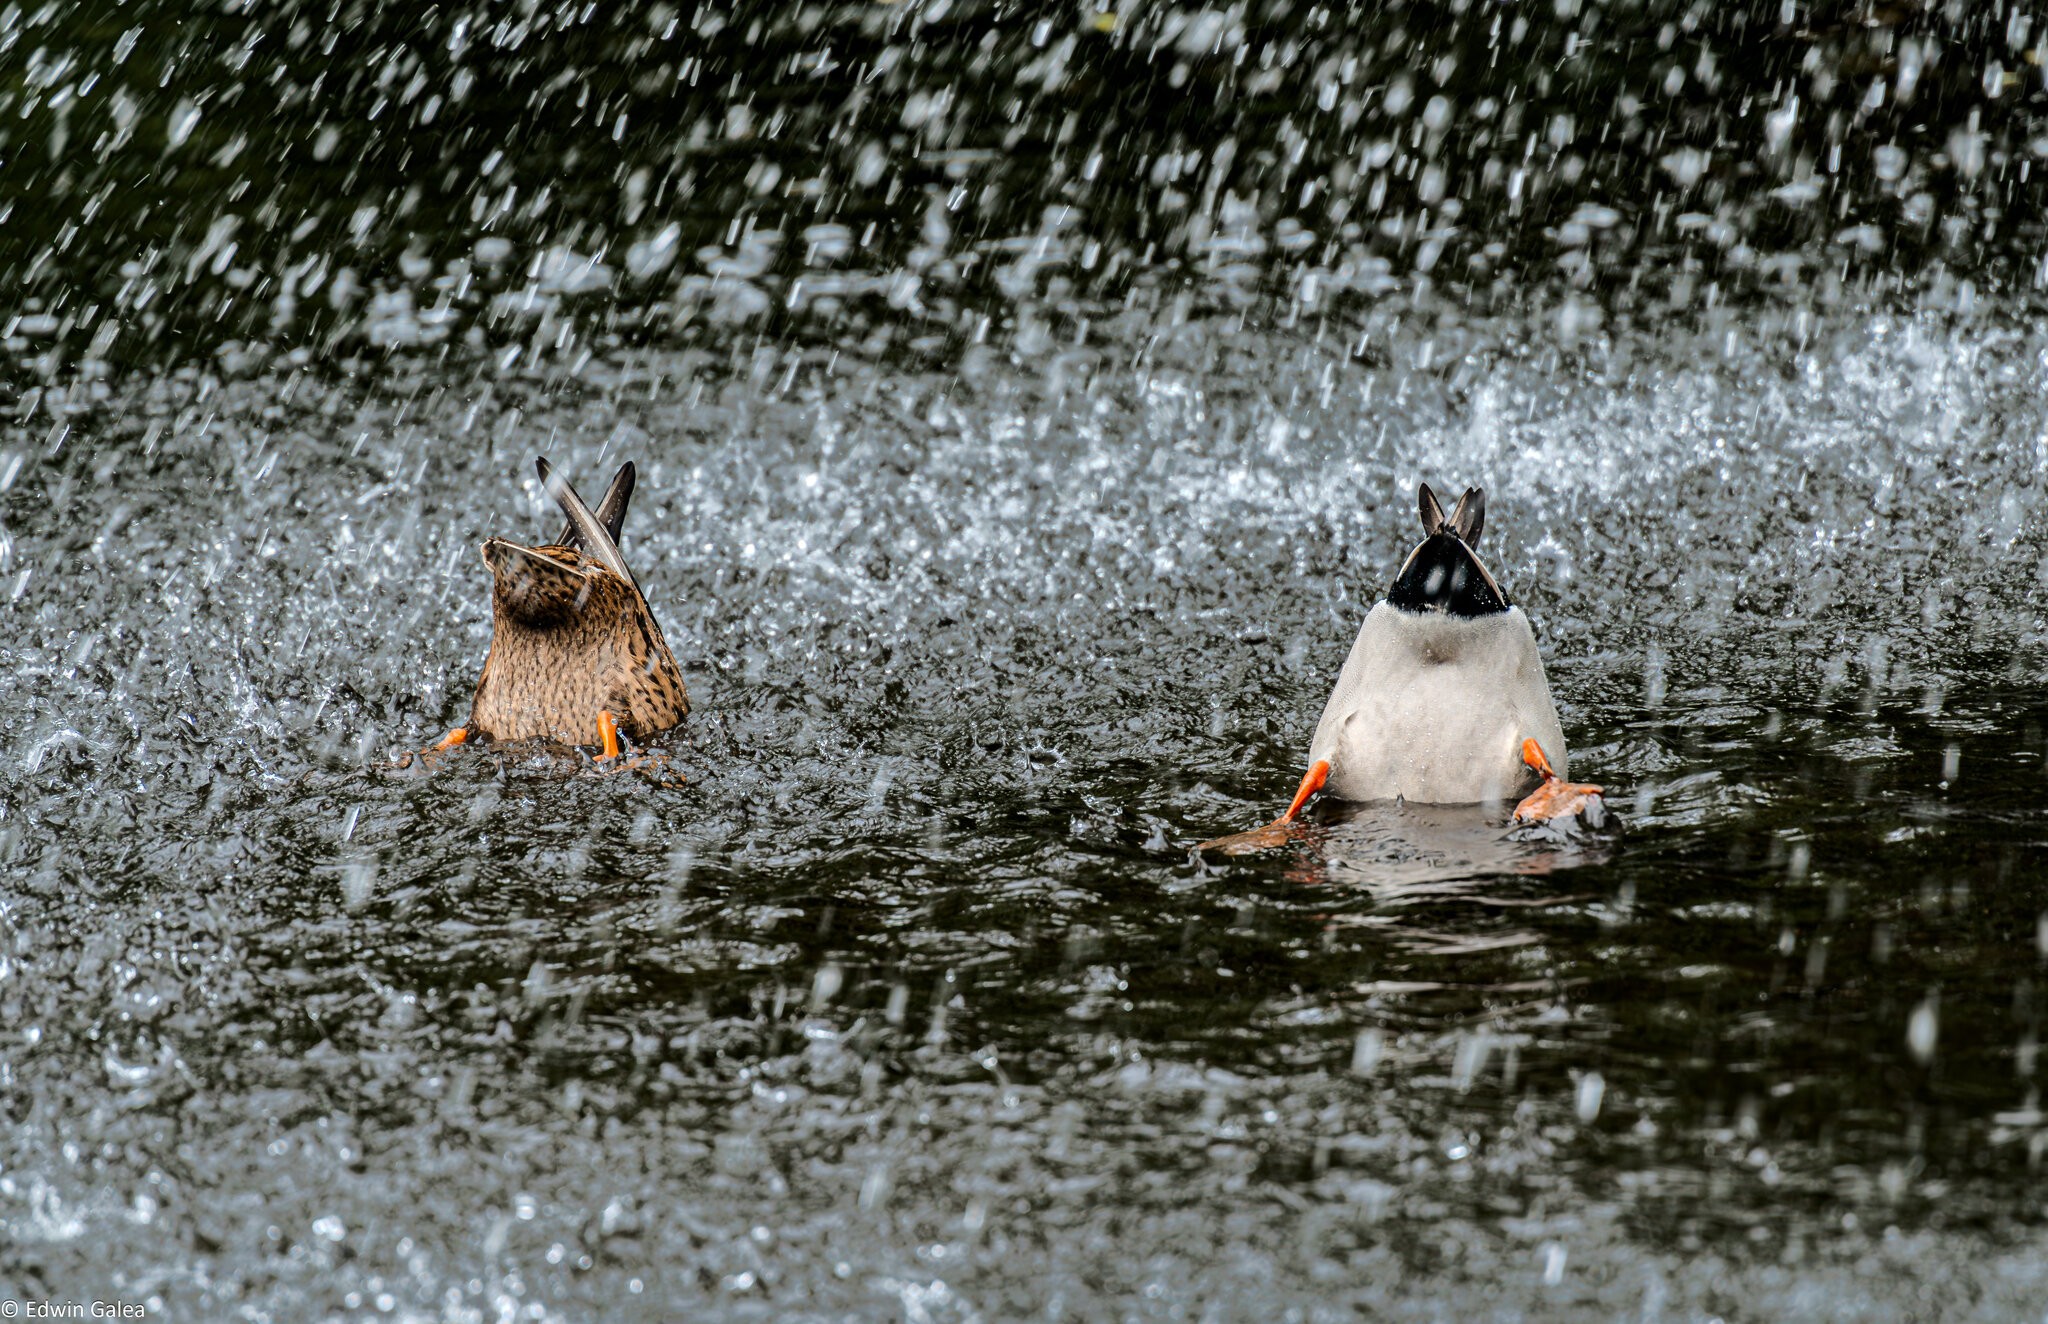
(1556, 797)
(1277, 832)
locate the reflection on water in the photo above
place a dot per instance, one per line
(1408, 853)
(1010, 516)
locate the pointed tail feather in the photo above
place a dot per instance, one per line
(596, 538)
(1470, 516)
(1430, 509)
(611, 512)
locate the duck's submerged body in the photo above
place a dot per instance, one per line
(576, 656)
(1443, 700)
(570, 640)
(1443, 684)
(1433, 707)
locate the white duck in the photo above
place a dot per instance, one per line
(1443, 698)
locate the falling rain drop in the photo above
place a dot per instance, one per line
(358, 883)
(184, 118)
(825, 986)
(1591, 1092)
(1468, 1060)
(1921, 1029)
(1370, 1045)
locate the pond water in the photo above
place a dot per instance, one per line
(1010, 547)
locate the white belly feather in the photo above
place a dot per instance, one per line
(1433, 708)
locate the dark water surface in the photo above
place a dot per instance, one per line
(994, 594)
(912, 1000)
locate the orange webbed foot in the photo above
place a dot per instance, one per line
(1281, 830)
(614, 759)
(1556, 797)
(1270, 837)
(425, 757)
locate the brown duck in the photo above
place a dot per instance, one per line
(575, 654)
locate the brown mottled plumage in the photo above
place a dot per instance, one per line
(572, 636)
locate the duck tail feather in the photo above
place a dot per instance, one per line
(1431, 509)
(1470, 516)
(610, 512)
(591, 532)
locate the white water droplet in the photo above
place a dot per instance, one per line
(827, 983)
(358, 883)
(1592, 1090)
(1469, 1062)
(184, 118)
(1372, 1044)
(1922, 1029)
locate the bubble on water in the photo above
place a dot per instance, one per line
(125, 1073)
